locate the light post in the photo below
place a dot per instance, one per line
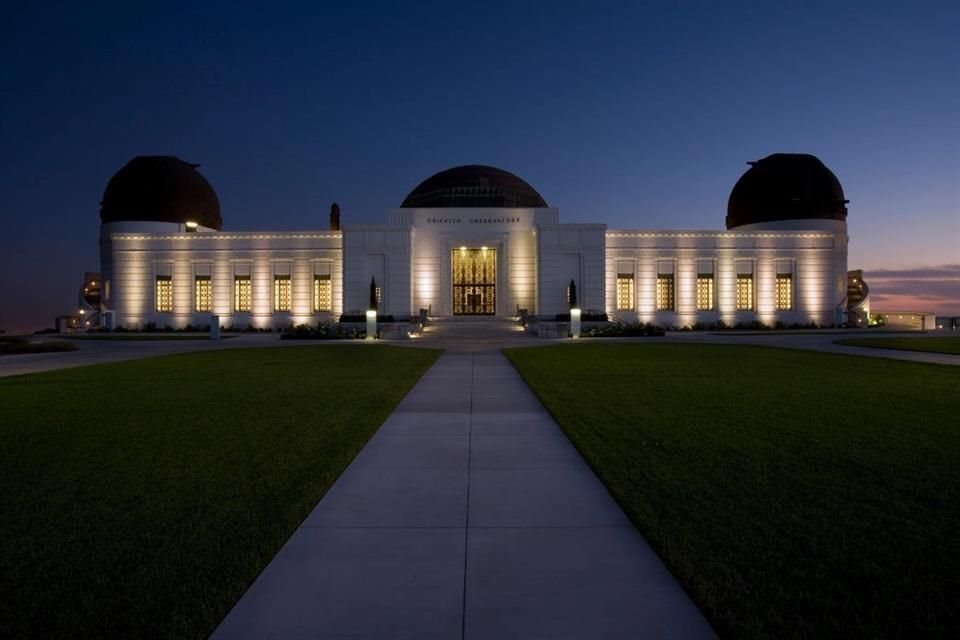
(372, 311)
(574, 311)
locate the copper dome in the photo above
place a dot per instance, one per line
(160, 189)
(474, 185)
(786, 186)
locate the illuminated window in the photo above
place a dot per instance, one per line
(281, 293)
(379, 293)
(705, 292)
(322, 295)
(242, 293)
(203, 293)
(164, 294)
(784, 291)
(745, 292)
(665, 298)
(625, 292)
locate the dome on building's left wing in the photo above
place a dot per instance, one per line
(160, 189)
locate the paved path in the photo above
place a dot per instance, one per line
(102, 351)
(468, 515)
(453, 336)
(825, 342)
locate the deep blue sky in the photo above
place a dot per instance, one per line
(640, 115)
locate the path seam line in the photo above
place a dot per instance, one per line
(466, 528)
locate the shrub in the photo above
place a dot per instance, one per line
(754, 325)
(590, 315)
(360, 316)
(323, 331)
(634, 329)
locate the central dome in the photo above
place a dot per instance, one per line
(474, 185)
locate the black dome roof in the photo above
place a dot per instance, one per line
(160, 189)
(474, 185)
(786, 186)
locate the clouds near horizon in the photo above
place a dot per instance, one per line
(934, 288)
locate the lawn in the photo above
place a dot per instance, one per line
(793, 494)
(936, 344)
(140, 499)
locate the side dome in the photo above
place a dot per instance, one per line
(160, 189)
(474, 185)
(786, 186)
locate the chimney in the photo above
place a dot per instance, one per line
(334, 217)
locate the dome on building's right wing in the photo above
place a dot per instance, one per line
(786, 186)
(474, 185)
(160, 189)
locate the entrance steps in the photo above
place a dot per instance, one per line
(473, 332)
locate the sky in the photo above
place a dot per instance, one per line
(641, 115)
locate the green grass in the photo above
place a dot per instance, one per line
(937, 344)
(16, 346)
(140, 499)
(794, 494)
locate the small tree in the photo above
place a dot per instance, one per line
(373, 294)
(572, 294)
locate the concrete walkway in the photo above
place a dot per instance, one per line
(468, 515)
(454, 336)
(102, 351)
(821, 341)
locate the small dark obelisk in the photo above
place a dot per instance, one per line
(334, 217)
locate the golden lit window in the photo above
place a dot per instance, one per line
(665, 301)
(242, 293)
(625, 292)
(705, 292)
(322, 294)
(164, 294)
(745, 292)
(203, 293)
(281, 293)
(784, 291)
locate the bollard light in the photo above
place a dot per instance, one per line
(575, 323)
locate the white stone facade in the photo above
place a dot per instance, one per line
(139, 259)
(815, 259)
(536, 258)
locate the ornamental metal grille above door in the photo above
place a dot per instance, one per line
(474, 282)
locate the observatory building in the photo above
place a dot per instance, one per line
(470, 240)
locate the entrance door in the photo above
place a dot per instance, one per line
(474, 281)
